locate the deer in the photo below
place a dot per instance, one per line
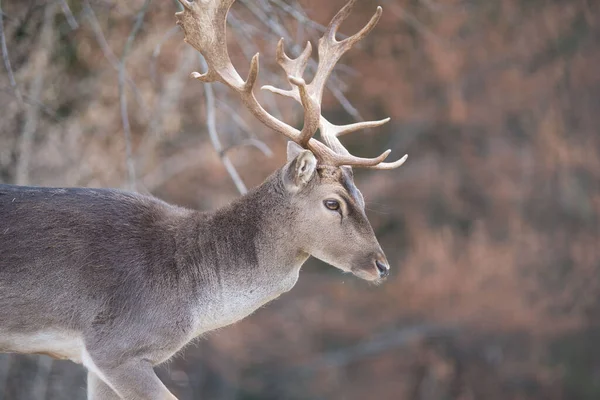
(120, 281)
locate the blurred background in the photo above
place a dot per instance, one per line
(491, 227)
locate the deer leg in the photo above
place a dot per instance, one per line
(131, 380)
(98, 390)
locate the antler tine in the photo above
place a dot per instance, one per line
(387, 166)
(292, 67)
(203, 23)
(330, 133)
(333, 142)
(332, 157)
(204, 26)
(312, 111)
(345, 129)
(331, 50)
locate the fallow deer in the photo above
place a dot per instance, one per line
(120, 281)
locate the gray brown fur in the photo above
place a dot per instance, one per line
(121, 281)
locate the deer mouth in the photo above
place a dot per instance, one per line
(367, 274)
(377, 271)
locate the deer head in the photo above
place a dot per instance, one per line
(325, 207)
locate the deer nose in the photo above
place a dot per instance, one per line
(384, 269)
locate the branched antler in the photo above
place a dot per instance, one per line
(204, 25)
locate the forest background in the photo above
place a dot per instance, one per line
(491, 227)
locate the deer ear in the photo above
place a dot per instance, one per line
(293, 149)
(300, 170)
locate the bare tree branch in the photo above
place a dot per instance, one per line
(182, 161)
(68, 15)
(40, 62)
(214, 136)
(158, 48)
(411, 20)
(172, 90)
(108, 53)
(29, 101)
(167, 100)
(299, 15)
(251, 141)
(100, 38)
(244, 34)
(7, 65)
(262, 16)
(123, 95)
(345, 103)
(169, 168)
(235, 117)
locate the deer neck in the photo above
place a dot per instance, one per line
(245, 255)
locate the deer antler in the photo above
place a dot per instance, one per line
(204, 25)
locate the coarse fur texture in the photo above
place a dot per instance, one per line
(121, 281)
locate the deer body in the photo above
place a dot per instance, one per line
(133, 262)
(120, 282)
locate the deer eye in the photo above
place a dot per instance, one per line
(333, 205)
